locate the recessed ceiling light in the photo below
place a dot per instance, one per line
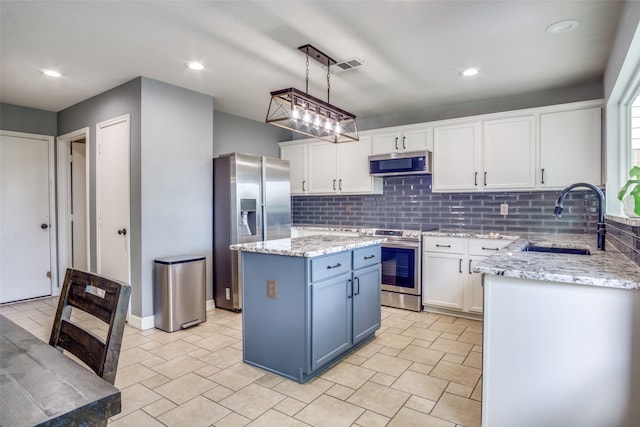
(562, 26)
(51, 73)
(469, 72)
(195, 65)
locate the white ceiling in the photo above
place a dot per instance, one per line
(414, 50)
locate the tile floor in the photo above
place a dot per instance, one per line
(421, 369)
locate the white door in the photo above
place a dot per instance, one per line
(112, 198)
(353, 162)
(456, 161)
(297, 155)
(26, 216)
(323, 169)
(78, 191)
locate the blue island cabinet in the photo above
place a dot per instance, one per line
(301, 315)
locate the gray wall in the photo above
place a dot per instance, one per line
(28, 120)
(124, 99)
(176, 179)
(564, 95)
(236, 134)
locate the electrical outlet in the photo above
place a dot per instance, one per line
(272, 291)
(504, 209)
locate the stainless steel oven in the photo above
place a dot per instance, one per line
(401, 269)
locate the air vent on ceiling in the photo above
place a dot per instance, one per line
(347, 64)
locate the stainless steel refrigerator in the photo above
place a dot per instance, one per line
(251, 203)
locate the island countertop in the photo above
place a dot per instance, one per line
(308, 246)
(608, 268)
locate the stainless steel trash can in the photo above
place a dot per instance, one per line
(179, 292)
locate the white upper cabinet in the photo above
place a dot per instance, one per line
(509, 153)
(298, 156)
(489, 155)
(456, 157)
(544, 148)
(323, 167)
(342, 168)
(319, 167)
(570, 147)
(398, 140)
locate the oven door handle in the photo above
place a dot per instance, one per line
(401, 245)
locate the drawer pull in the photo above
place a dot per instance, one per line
(329, 267)
(369, 257)
(460, 266)
(442, 246)
(490, 249)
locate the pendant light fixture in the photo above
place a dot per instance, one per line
(305, 114)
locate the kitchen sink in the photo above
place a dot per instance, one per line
(556, 249)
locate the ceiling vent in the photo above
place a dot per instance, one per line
(347, 64)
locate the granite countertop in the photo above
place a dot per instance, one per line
(607, 268)
(308, 246)
(470, 234)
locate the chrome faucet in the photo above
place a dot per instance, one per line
(601, 227)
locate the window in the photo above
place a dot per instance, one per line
(635, 131)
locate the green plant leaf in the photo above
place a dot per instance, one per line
(629, 183)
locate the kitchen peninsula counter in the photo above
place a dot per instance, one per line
(308, 301)
(608, 268)
(572, 321)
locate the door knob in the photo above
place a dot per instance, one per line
(44, 226)
(122, 232)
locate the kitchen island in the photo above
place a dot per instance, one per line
(561, 343)
(308, 301)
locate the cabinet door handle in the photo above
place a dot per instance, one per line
(485, 178)
(357, 280)
(542, 176)
(329, 267)
(396, 142)
(334, 185)
(475, 179)
(369, 256)
(469, 266)
(438, 245)
(349, 289)
(340, 184)
(460, 266)
(303, 183)
(490, 249)
(404, 146)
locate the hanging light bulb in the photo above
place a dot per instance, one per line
(328, 126)
(307, 116)
(316, 122)
(338, 129)
(295, 114)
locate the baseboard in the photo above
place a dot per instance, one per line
(142, 323)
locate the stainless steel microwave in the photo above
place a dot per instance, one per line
(407, 163)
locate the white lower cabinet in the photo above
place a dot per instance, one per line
(448, 280)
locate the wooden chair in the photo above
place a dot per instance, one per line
(105, 299)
